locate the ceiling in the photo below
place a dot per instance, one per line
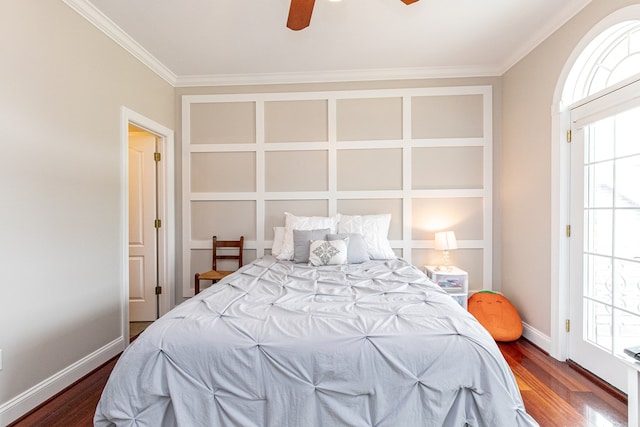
(200, 42)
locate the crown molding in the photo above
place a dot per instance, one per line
(113, 31)
(88, 11)
(336, 76)
(108, 27)
(551, 26)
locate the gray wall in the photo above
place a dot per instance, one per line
(61, 241)
(237, 112)
(529, 88)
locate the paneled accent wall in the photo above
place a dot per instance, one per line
(424, 155)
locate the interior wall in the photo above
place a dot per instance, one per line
(310, 127)
(529, 88)
(64, 83)
(60, 179)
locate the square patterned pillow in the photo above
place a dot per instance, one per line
(301, 242)
(327, 252)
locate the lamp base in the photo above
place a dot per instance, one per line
(445, 262)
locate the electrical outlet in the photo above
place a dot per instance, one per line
(0, 359)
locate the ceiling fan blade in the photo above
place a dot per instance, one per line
(300, 14)
(408, 1)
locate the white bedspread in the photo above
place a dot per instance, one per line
(282, 344)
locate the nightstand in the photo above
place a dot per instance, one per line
(453, 280)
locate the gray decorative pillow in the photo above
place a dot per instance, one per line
(301, 241)
(357, 251)
(325, 252)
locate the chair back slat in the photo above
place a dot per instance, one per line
(225, 246)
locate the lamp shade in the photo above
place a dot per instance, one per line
(445, 241)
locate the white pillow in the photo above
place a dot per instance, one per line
(327, 252)
(293, 222)
(278, 239)
(374, 229)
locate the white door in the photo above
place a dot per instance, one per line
(605, 237)
(143, 260)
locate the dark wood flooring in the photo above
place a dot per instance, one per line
(554, 393)
(73, 407)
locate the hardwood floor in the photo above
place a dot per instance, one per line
(73, 407)
(554, 393)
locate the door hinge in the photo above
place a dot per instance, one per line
(157, 157)
(157, 223)
(158, 290)
(569, 135)
(568, 231)
(567, 325)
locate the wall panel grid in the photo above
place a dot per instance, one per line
(422, 154)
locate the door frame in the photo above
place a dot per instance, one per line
(166, 207)
(617, 99)
(558, 344)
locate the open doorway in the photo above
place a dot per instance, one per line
(145, 234)
(149, 237)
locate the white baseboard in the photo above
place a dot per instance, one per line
(30, 399)
(538, 338)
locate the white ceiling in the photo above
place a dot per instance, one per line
(191, 42)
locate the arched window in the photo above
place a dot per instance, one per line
(610, 58)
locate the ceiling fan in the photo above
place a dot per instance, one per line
(300, 13)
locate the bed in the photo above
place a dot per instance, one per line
(284, 343)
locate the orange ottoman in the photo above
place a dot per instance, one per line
(496, 313)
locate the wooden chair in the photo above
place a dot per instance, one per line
(214, 274)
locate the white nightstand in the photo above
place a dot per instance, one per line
(452, 280)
